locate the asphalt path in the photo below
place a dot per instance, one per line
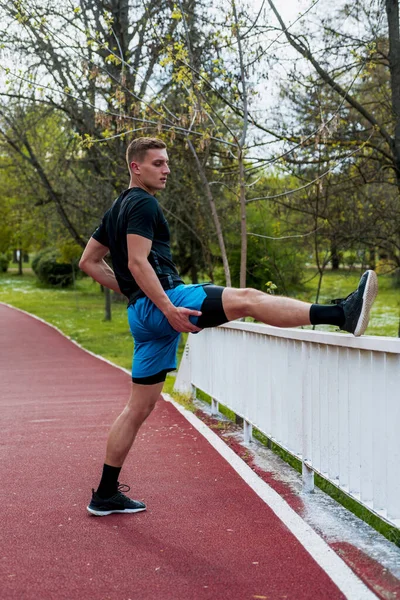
(206, 535)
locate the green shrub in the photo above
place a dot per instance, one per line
(49, 268)
(351, 258)
(36, 259)
(4, 262)
(396, 278)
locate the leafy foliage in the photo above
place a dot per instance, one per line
(271, 261)
(4, 262)
(50, 269)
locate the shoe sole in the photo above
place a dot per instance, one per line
(104, 513)
(370, 292)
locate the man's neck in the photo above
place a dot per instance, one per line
(134, 183)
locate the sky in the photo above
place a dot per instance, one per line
(289, 9)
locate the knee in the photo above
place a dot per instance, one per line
(248, 297)
(238, 302)
(149, 406)
(152, 404)
(140, 410)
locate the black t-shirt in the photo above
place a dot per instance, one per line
(136, 211)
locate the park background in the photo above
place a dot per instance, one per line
(282, 121)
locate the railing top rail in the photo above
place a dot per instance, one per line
(365, 342)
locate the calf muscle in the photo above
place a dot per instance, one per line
(123, 432)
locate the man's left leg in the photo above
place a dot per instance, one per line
(109, 497)
(350, 314)
(141, 403)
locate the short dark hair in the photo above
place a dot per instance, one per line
(137, 148)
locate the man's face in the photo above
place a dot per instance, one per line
(152, 170)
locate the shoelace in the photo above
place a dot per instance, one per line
(123, 487)
(340, 300)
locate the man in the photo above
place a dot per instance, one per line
(136, 234)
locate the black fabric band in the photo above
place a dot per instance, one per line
(168, 282)
(321, 314)
(152, 379)
(212, 309)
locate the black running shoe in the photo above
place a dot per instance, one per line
(119, 503)
(357, 305)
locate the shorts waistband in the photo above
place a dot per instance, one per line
(168, 282)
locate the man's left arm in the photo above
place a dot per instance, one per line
(93, 263)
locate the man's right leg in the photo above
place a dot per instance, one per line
(227, 304)
(278, 311)
(350, 314)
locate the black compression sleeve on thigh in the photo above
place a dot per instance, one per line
(326, 315)
(212, 310)
(157, 378)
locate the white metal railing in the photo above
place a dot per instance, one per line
(329, 399)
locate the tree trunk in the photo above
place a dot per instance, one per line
(193, 265)
(392, 12)
(214, 213)
(335, 259)
(372, 259)
(243, 224)
(193, 273)
(20, 257)
(241, 143)
(107, 304)
(200, 167)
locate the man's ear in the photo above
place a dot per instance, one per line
(135, 169)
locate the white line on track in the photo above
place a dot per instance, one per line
(348, 583)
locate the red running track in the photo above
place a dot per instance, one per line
(205, 536)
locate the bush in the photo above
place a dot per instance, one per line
(36, 259)
(350, 259)
(4, 262)
(49, 268)
(396, 279)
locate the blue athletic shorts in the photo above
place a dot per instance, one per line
(156, 342)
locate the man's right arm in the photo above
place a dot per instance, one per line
(93, 263)
(138, 251)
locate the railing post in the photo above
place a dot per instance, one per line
(306, 470)
(184, 376)
(214, 407)
(308, 478)
(247, 431)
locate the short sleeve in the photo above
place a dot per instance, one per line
(143, 217)
(100, 235)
